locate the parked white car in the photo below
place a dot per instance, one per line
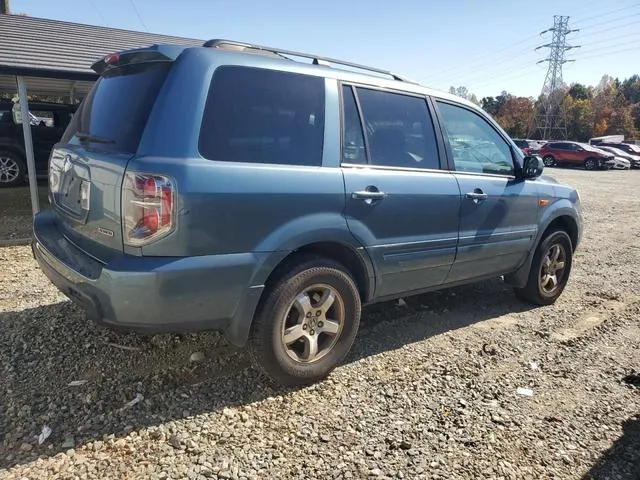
(634, 160)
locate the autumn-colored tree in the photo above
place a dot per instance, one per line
(579, 118)
(516, 116)
(610, 108)
(600, 128)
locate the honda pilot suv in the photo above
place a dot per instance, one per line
(231, 187)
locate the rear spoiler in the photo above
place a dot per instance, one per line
(152, 54)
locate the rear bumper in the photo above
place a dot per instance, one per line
(152, 294)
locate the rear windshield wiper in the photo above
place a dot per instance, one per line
(84, 136)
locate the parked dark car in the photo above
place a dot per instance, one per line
(48, 122)
(225, 187)
(524, 145)
(574, 154)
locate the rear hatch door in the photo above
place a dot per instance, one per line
(87, 167)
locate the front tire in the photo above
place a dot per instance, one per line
(307, 323)
(549, 161)
(589, 164)
(13, 169)
(549, 271)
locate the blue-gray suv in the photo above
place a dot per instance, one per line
(241, 188)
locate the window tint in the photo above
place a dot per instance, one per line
(475, 145)
(263, 116)
(353, 147)
(117, 108)
(399, 130)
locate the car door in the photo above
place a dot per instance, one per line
(499, 212)
(575, 154)
(401, 205)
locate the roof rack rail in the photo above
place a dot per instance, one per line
(317, 59)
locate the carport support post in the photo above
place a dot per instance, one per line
(28, 144)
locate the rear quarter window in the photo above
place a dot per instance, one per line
(255, 115)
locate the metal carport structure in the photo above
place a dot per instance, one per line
(50, 57)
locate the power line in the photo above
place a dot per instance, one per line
(479, 60)
(605, 47)
(492, 74)
(612, 20)
(525, 72)
(610, 12)
(632, 49)
(95, 7)
(597, 32)
(133, 4)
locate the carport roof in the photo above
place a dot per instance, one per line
(39, 47)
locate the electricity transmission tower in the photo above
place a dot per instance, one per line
(550, 119)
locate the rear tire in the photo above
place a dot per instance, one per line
(549, 271)
(549, 161)
(13, 169)
(589, 164)
(307, 322)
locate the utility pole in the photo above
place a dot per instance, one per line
(4, 7)
(550, 120)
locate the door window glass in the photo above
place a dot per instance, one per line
(475, 144)
(399, 130)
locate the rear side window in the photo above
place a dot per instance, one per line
(263, 116)
(115, 112)
(398, 128)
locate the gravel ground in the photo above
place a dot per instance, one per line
(429, 391)
(15, 212)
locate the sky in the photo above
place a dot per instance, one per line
(485, 45)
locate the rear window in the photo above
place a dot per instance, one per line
(115, 112)
(263, 116)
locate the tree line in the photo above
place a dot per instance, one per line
(610, 108)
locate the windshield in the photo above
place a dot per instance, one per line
(114, 114)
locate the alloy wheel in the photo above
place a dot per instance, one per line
(9, 170)
(552, 269)
(313, 323)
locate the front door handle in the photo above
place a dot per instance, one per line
(477, 195)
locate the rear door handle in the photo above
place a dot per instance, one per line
(368, 195)
(477, 195)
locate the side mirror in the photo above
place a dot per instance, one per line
(532, 166)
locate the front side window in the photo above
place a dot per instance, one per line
(476, 146)
(263, 116)
(398, 128)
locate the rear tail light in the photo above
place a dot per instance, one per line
(148, 207)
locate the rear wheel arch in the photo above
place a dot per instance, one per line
(336, 251)
(13, 149)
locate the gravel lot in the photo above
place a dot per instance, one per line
(15, 212)
(430, 390)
